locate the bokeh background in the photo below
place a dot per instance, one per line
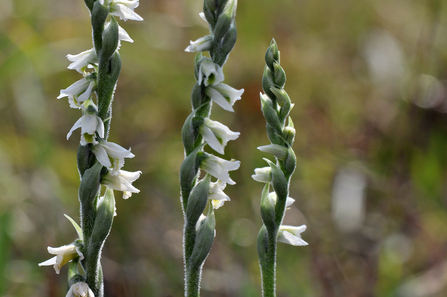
(368, 79)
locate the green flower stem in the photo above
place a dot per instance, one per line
(268, 266)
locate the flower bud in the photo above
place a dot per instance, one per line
(99, 16)
(197, 200)
(270, 114)
(110, 39)
(204, 240)
(272, 54)
(289, 134)
(103, 220)
(279, 75)
(268, 209)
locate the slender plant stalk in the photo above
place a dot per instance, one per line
(276, 106)
(198, 131)
(99, 161)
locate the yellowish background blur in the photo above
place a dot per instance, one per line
(368, 79)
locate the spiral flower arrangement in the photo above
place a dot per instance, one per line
(99, 161)
(276, 106)
(199, 130)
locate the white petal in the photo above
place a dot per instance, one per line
(75, 89)
(88, 92)
(123, 12)
(211, 139)
(123, 35)
(101, 155)
(77, 125)
(292, 235)
(219, 99)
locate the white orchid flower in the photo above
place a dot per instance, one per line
(263, 175)
(224, 95)
(122, 182)
(201, 44)
(80, 289)
(82, 60)
(124, 9)
(292, 235)
(219, 168)
(89, 122)
(111, 155)
(210, 73)
(217, 195)
(217, 134)
(64, 254)
(78, 92)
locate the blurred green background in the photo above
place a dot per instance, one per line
(368, 79)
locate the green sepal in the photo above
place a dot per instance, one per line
(272, 54)
(270, 113)
(267, 209)
(104, 219)
(273, 136)
(85, 158)
(190, 134)
(222, 25)
(88, 192)
(188, 173)
(200, 101)
(209, 9)
(76, 226)
(279, 75)
(281, 188)
(108, 74)
(198, 199)
(289, 163)
(99, 16)
(268, 82)
(227, 44)
(204, 239)
(262, 245)
(279, 151)
(110, 39)
(283, 100)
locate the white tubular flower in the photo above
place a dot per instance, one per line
(224, 95)
(122, 182)
(263, 175)
(64, 254)
(89, 123)
(80, 289)
(78, 92)
(82, 60)
(210, 73)
(292, 235)
(124, 9)
(217, 195)
(219, 168)
(201, 44)
(217, 134)
(111, 155)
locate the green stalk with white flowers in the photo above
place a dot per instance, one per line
(198, 131)
(276, 106)
(99, 161)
